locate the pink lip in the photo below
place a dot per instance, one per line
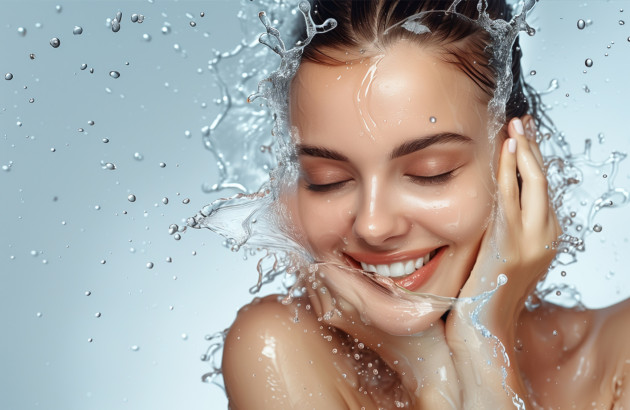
(388, 258)
(411, 282)
(418, 278)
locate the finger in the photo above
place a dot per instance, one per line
(534, 199)
(507, 182)
(530, 134)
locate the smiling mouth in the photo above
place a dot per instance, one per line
(409, 274)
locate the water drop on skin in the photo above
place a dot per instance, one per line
(135, 348)
(166, 30)
(433, 120)
(83, 66)
(597, 228)
(88, 293)
(134, 18)
(77, 31)
(165, 200)
(109, 166)
(149, 265)
(581, 24)
(8, 76)
(58, 8)
(114, 74)
(621, 22)
(169, 259)
(588, 62)
(115, 26)
(186, 201)
(138, 156)
(193, 24)
(97, 314)
(55, 42)
(146, 37)
(21, 31)
(32, 56)
(131, 198)
(162, 164)
(533, 72)
(31, 100)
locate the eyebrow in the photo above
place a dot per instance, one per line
(424, 142)
(404, 149)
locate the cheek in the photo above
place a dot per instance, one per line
(457, 213)
(324, 220)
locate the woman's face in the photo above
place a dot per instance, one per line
(396, 166)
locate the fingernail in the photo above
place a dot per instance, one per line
(512, 144)
(530, 129)
(518, 126)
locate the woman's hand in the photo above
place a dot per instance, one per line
(520, 240)
(519, 246)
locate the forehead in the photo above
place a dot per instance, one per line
(406, 91)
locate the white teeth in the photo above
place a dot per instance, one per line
(397, 269)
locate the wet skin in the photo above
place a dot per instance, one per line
(382, 183)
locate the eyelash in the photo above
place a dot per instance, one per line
(432, 180)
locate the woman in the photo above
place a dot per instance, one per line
(404, 190)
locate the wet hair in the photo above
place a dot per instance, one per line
(375, 24)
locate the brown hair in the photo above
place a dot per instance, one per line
(460, 40)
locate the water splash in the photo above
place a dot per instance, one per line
(252, 220)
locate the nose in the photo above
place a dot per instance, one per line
(378, 219)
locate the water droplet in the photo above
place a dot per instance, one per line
(115, 26)
(162, 164)
(597, 228)
(97, 314)
(32, 56)
(563, 273)
(140, 18)
(131, 198)
(193, 24)
(138, 156)
(83, 66)
(581, 24)
(172, 229)
(621, 22)
(165, 200)
(533, 72)
(114, 74)
(202, 14)
(169, 259)
(555, 333)
(134, 18)
(55, 42)
(166, 29)
(184, 336)
(105, 140)
(80, 129)
(558, 293)
(53, 149)
(433, 120)
(146, 37)
(588, 62)
(77, 31)
(177, 237)
(135, 348)
(149, 265)
(21, 31)
(8, 76)
(58, 8)
(109, 166)
(186, 201)
(88, 293)
(605, 176)
(90, 340)
(103, 261)
(586, 89)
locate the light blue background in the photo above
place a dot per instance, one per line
(45, 317)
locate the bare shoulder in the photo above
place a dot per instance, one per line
(586, 351)
(278, 357)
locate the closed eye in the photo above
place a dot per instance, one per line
(433, 179)
(325, 187)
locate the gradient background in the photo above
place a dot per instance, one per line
(62, 213)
